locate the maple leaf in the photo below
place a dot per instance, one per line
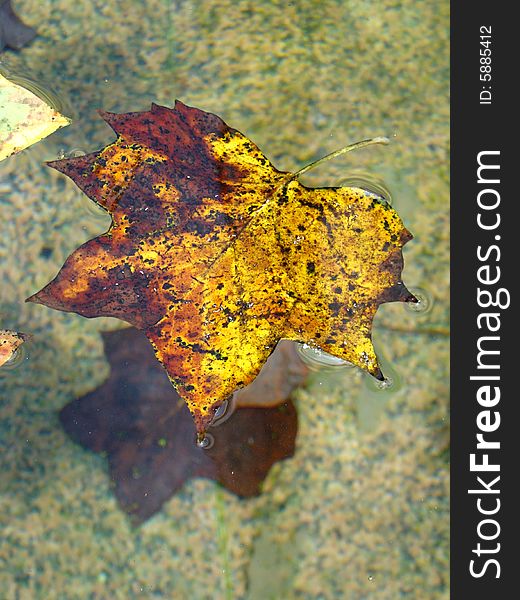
(216, 255)
(147, 432)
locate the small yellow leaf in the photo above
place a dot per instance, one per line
(24, 118)
(9, 342)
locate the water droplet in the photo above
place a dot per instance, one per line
(205, 441)
(392, 382)
(75, 153)
(386, 384)
(368, 182)
(425, 301)
(316, 359)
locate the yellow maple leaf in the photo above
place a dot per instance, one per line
(216, 255)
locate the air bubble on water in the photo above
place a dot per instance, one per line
(424, 303)
(205, 441)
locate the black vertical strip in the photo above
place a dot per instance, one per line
(489, 130)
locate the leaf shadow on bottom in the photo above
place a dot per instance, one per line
(138, 420)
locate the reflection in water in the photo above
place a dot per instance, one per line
(144, 427)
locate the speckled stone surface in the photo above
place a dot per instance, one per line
(361, 511)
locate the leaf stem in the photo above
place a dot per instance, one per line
(344, 150)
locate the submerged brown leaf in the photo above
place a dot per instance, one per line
(13, 32)
(216, 255)
(145, 428)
